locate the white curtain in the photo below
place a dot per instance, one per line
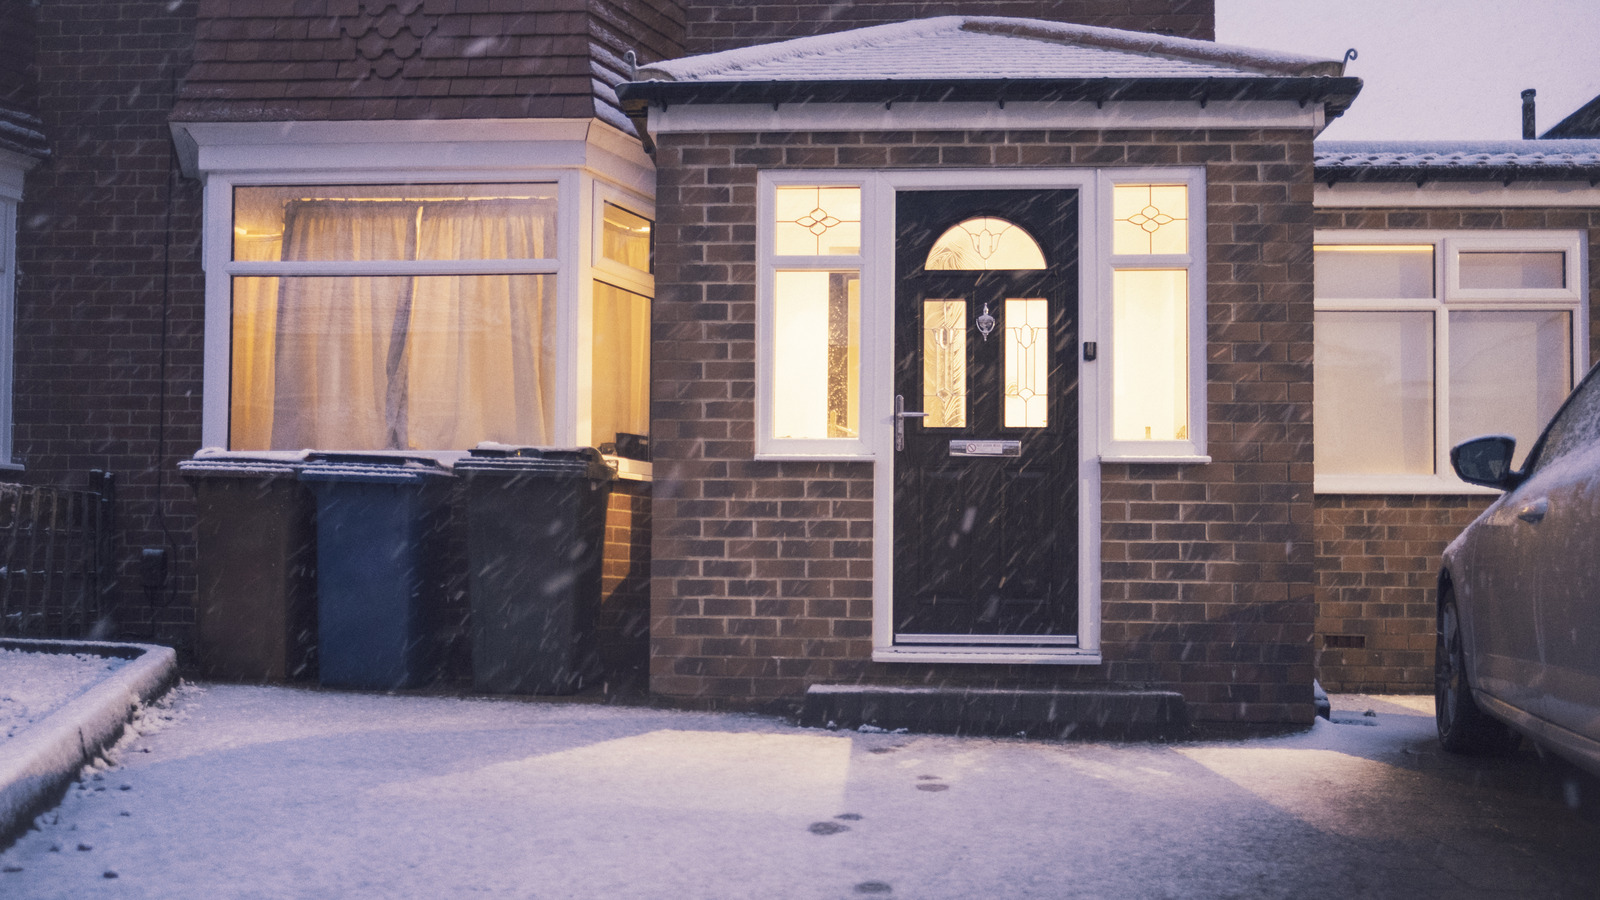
(432, 362)
(474, 369)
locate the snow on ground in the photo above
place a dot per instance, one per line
(33, 685)
(286, 793)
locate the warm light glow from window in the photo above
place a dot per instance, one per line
(1149, 219)
(625, 238)
(1027, 363)
(621, 388)
(985, 244)
(944, 363)
(817, 221)
(1374, 271)
(817, 355)
(1150, 374)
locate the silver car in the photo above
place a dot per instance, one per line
(1519, 595)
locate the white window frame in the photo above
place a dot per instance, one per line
(617, 275)
(1448, 246)
(1193, 449)
(572, 154)
(768, 264)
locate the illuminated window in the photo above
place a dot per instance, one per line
(809, 396)
(621, 385)
(818, 358)
(1149, 219)
(1157, 378)
(985, 244)
(1424, 343)
(944, 363)
(392, 317)
(1150, 354)
(626, 238)
(1027, 363)
(817, 221)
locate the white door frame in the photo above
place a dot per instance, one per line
(879, 246)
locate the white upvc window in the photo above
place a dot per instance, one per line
(424, 286)
(1154, 402)
(1425, 339)
(812, 382)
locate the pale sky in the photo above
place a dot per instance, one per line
(1436, 69)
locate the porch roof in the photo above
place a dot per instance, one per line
(954, 58)
(1422, 161)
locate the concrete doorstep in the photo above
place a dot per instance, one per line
(38, 765)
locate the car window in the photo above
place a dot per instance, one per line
(1576, 426)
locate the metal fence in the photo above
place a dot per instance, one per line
(57, 569)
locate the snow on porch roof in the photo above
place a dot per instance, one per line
(1422, 161)
(983, 47)
(988, 57)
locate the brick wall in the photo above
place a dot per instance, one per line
(110, 300)
(761, 570)
(724, 24)
(1377, 570)
(624, 622)
(1378, 557)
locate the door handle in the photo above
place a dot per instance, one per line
(900, 417)
(1534, 512)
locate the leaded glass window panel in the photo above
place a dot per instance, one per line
(944, 363)
(817, 221)
(1149, 219)
(985, 243)
(1027, 363)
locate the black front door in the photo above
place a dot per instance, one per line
(985, 499)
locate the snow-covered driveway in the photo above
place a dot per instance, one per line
(284, 793)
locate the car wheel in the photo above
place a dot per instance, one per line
(1463, 727)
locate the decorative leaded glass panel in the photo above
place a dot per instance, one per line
(1149, 219)
(985, 243)
(1027, 363)
(944, 363)
(817, 221)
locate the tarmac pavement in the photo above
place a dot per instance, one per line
(228, 791)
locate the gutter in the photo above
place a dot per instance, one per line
(1420, 175)
(1334, 94)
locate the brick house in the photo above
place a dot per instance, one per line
(1075, 236)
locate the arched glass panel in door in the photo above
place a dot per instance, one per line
(985, 243)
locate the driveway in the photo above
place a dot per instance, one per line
(237, 792)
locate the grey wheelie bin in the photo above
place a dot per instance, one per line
(381, 521)
(535, 534)
(255, 614)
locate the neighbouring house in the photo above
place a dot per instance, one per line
(1019, 348)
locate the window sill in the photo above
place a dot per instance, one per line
(629, 469)
(1179, 459)
(1332, 485)
(815, 457)
(1062, 656)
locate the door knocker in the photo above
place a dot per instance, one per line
(985, 323)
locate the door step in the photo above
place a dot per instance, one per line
(1079, 713)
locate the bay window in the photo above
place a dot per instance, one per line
(1427, 339)
(392, 317)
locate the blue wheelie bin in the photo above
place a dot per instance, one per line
(380, 523)
(535, 535)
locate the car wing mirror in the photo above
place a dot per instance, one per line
(1486, 461)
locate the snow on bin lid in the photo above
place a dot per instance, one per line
(372, 466)
(217, 462)
(489, 456)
